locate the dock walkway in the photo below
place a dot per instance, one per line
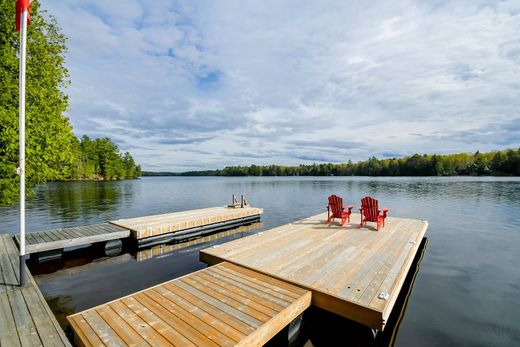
(356, 273)
(147, 230)
(222, 305)
(25, 317)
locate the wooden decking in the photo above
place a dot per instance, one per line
(48, 240)
(25, 317)
(179, 225)
(356, 273)
(178, 222)
(223, 305)
(164, 250)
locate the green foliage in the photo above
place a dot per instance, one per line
(493, 163)
(100, 159)
(52, 150)
(48, 133)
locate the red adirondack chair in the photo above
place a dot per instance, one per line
(335, 209)
(370, 212)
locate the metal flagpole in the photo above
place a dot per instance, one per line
(21, 168)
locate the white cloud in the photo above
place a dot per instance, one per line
(191, 85)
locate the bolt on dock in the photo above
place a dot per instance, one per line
(257, 285)
(222, 305)
(356, 273)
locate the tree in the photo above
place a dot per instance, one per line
(49, 136)
(129, 165)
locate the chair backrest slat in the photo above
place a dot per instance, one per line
(336, 205)
(370, 208)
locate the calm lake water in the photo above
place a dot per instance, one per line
(467, 292)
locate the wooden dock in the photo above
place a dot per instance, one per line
(25, 317)
(223, 305)
(147, 230)
(54, 239)
(187, 223)
(356, 273)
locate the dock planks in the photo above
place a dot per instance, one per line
(186, 225)
(25, 317)
(349, 270)
(223, 305)
(168, 223)
(54, 239)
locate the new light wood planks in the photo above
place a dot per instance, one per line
(356, 273)
(156, 225)
(222, 305)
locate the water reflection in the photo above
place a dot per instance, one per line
(79, 271)
(464, 294)
(322, 328)
(319, 327)
(73, 201)
(167, 249)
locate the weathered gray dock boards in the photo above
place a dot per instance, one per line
(25, 317)
(355, 273)
(48, 240)
(223, 305)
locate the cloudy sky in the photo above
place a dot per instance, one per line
(188, 85)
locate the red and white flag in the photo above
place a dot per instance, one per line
(21, 6)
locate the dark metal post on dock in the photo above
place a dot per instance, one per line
(23, 275)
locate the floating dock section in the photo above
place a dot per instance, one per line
(181, 225)
(223, 305)
(356, 273)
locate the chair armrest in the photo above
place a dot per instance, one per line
(350, 207)
(385, 212)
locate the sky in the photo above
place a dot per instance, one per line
(194, 85)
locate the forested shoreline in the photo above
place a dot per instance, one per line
(500, 163)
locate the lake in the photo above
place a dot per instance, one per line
(467, 291)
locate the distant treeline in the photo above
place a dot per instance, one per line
(187, 173)
(100, 159)
(479, 164)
